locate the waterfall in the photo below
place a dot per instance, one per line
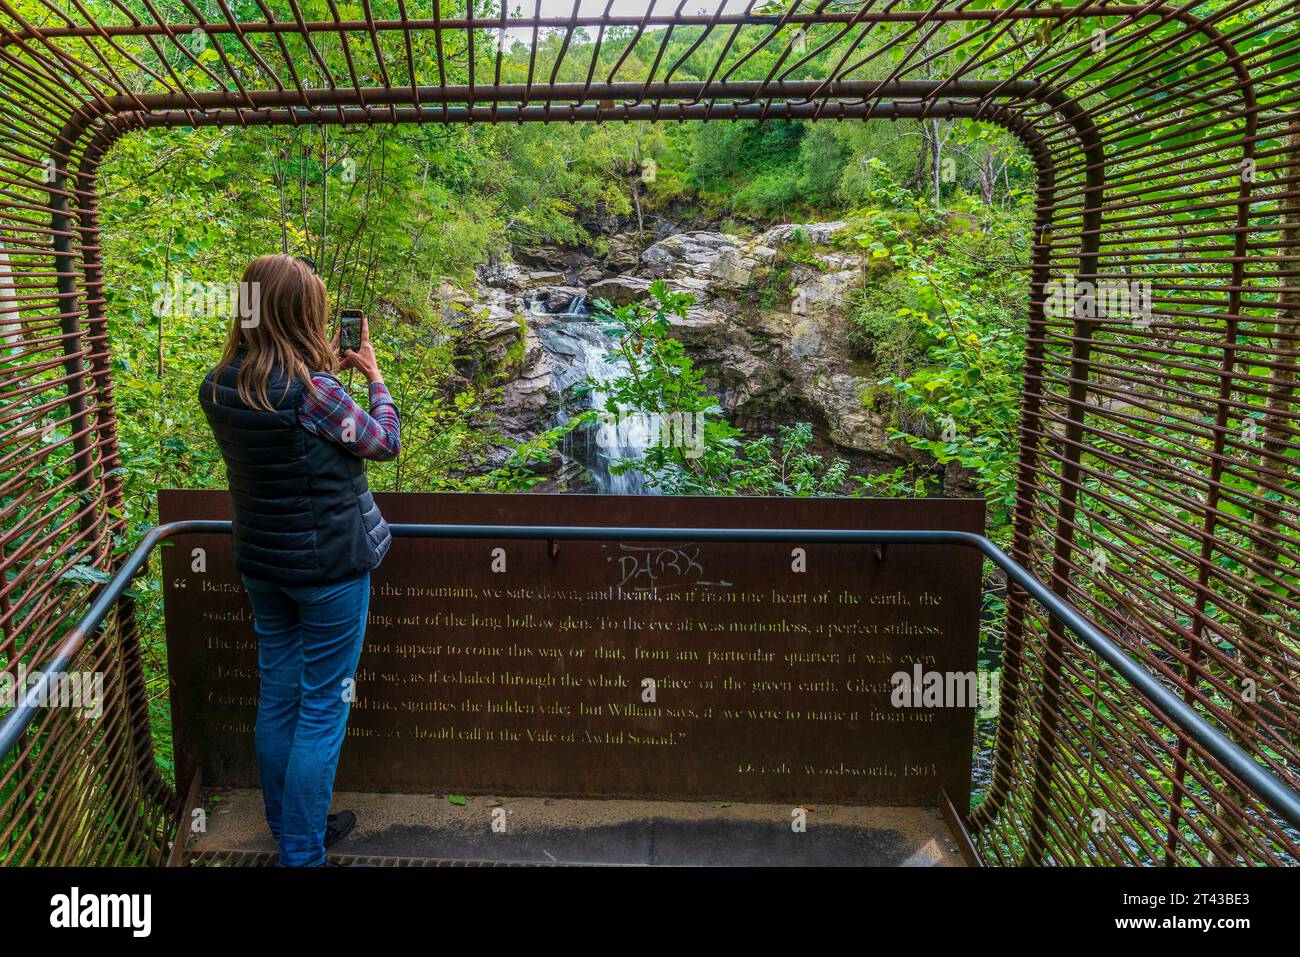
(579, 307)
(577, 348)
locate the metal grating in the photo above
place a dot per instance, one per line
(1168, 154)
(264, 859)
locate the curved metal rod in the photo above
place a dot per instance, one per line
(811, 18)
(1266, 785)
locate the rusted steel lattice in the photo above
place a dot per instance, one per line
(1167, 145)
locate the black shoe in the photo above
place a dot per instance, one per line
(339, 826)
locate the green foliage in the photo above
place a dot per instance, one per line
(661, 380)
(388, 214)
(391, 213)
(944, 323)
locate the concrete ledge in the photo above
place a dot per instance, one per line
(422, 829)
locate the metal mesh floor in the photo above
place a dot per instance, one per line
(263, 859)
(426, 830)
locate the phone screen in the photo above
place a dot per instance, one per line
(349, 330)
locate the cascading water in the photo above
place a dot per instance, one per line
(578, 308)
(577, 348)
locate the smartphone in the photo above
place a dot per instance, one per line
(349, 330)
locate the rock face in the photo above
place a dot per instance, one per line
(818, 234)
(515, 278)
(625, 290)
(620, 290)
(686, 253)
(773, 366)
(768, 330)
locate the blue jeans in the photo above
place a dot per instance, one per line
(309, 640)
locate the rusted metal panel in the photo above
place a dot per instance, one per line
(517, 667)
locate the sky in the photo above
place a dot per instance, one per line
(625, 8)
(594, 8)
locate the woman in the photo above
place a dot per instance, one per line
(307, 532)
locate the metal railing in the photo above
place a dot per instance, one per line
(1266, 786)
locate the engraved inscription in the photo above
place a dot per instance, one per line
(676, 669)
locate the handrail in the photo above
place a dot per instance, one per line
(1270, 788)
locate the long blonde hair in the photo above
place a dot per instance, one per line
(285, 328)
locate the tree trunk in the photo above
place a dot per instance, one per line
(167, 285)
(936, 161)
(281, 182)
(988, 176)
(922, 156)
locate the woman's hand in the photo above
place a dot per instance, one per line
(363, 359)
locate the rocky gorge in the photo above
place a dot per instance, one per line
(768, 329)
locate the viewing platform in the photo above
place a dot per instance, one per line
(427, 830)
(1068, 282)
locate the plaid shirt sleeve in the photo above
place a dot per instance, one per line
(332, 414)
